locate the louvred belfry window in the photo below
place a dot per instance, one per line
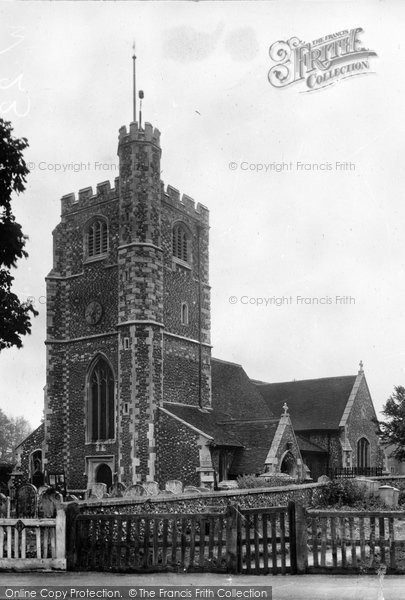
(100, 417)
(97, 238)
(181, 243)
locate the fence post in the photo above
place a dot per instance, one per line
(60, 533)
(292, 536)
(72, 511)
(301, 539)
(232, 515)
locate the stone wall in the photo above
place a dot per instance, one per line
(252, 498)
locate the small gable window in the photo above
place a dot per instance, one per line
(184, 313)
(181, 243)
(96, 240)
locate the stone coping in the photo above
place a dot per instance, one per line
(204, 495)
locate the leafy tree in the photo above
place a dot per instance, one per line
(15, 316)
(393, 427)
(13, 430)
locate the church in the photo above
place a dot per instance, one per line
(132, 393)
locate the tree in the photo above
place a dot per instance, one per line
(393, 428)
(15, 316)
(13, 430)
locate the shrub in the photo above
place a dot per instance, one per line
(342, 492)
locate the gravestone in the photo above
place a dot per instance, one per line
(175, 486)
(97, 490)
(151, 487)
(134, 491)
(3, 506)
(191, 489)
(118, 490)
(48, 503)
(27, 501)
(323, 479)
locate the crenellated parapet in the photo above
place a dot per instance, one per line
(87, 198)
(148, 133)
(186, 204)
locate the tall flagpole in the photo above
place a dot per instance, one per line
(134, 83)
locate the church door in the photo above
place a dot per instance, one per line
(104, 475)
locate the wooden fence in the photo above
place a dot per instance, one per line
(356, 541)
(32, 544)
(238, 541)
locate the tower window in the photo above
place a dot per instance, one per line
(96, 238)
(184, 313)
(181, 242)
(100, 405)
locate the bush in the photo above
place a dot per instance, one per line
(253, 481)
(342, 492)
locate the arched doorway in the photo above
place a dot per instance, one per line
(104, 475)
(289, 464)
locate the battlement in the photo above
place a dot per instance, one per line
(146, 134)
(86, 196)
(186, 204)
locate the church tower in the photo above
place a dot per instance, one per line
(128, 322)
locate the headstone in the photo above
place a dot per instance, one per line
(134, 491)
(49, 502)
(3, 506)
(191, 489)
(175, 486)
(27, 501)
(118, 490)
(151, 487)
(97, 490)
(323, 479)
(229, 484)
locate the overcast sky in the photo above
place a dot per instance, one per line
(203, 67)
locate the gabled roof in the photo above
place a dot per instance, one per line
(312, 403)
(307, 446)
(256, 437)
(234, 395)
(204, 421)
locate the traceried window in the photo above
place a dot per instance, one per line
(96, 238)
(181, 242)
(100, 404)
(363, 453)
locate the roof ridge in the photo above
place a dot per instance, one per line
(257, 382)
(228, 362)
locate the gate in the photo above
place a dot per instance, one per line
(266, 540)
(237, 541)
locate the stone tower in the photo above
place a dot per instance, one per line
(128, 320)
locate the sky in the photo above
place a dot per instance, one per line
(300, 233)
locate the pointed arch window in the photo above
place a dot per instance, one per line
(181, 242)
(363, 453)
(184, 313)
(100, 403)
(96, 239)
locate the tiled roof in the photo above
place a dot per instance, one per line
(312, 403)
(307, 446)
(256, 437)
(234, 394)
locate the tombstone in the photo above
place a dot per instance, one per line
(134, 491)
(191, 489)
(323, 479)
(118, 490)
(175, 486)
(48, 503)
(229, 484)
(3, 506)
(27, 501)
(151, 487)
(97, 490)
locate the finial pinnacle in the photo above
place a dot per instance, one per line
(285, 408)
(133, 83)
(361, 370)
